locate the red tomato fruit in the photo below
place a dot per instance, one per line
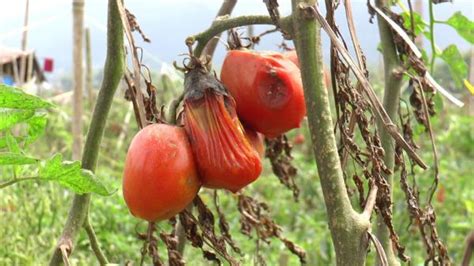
(160, 176)
(267, 89)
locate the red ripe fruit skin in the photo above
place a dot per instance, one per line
(160, 176)
(256, 140)
(267, 89)
(293, 57)
(224, 156)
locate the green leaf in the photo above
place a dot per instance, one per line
(9, 158)
(10, 117)
(462, 25)
(419, 24)
(4, 144)
(457, 66)
(11, 97)
(36, 127)
(12, 143)
(72, 176)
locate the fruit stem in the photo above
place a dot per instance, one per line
(113, 72)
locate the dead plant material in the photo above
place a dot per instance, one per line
(255, 216)
(278, 151)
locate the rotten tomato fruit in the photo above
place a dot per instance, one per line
(224, 156)
(160, 176)
(267, 89)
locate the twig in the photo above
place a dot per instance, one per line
(374, 101)
(352, 31)
(360, 60)
(64, 254)
(136, 64)
(226, 9)
(379, 248)
(16, 180)
(432, 139)
(412, 21)
(432, 40)
(94, 242)
(371, 200)
(113, 72)
(466, 258)
(133, 92)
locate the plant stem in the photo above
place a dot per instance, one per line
(393, 83)
(432, 38)
(16, 180)
(94, 242)
(222, 25)
(348, 228)
(113, 72)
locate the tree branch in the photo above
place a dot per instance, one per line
(113, 72)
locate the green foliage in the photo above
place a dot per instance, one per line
(36, 127)
(71, 175)
(9, 117)
(11, 97)
(8, 158)
(419, 24)
(19, 110)
(462, 25)
(457, 66)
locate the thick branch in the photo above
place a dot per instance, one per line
(391, 98)
(348, 228)
(113, 72)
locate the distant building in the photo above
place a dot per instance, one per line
(19, 67)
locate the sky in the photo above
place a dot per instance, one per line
(168, 23)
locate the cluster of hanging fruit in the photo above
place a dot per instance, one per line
(221, 144)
